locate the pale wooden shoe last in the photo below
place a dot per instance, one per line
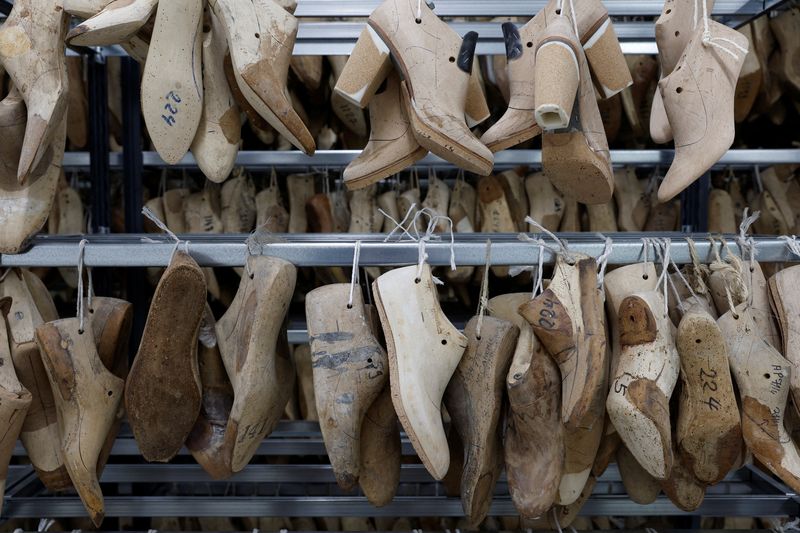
(261, 37)
(642, 488)
(32, 53)
(31, 306)
(261, 373)
(709, 432)
(116, 23)
(219, 132)
(638, 403)
(85, 8)
(783, 286)
(25, 208)
(763, 377)
(546, 204)
(15, 400)
(172, 82)
(350, 370)
(417, 330)
(87, 396)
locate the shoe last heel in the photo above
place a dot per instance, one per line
(368, 66)
(606, 60)
(557, 76)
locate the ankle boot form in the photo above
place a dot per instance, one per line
(474, 399)
(435, 95)
(116, 23)
(172, 82)
(698, 99)
(26, 207)
(674, 28)
(638, 403)
(424, 350)
(392, 146)
(87, 397)
(15, 400)
(207, 442)
(350, 370)
(216, 143)
(163, 393)
(32, 53)
(533, 443)
(31, 306)
(249, 340)
(567, 318)
(380, 451)
(763, 378)
(261, 37)
(600, 44)
(577, 159)
(111, 321)
(709, 432)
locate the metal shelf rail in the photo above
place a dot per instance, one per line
(309, 490)
(266, 159)
(337, 250)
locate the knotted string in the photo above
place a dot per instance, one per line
(354, 276)
(731, 267)
(484, 297)
(538, 283)
(429, 235)
(792, 243)
(602, 260)
(664, 279)
(747, 246)
(561, 244)
(163, 227)
(709, 40)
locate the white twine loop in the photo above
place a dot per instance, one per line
(666, 246)
(709, 40)
(354, 277)
(163, 227)
(484, 297)
(645, 254)
(429, 235)
(792, 243)
(419, 11)
(747, 245)
(602, 260)
(538, 283)
(561, 244)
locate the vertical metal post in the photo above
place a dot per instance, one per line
(133, 165)
(98, 152)
(694, 205)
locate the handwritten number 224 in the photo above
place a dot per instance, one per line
(170, 119)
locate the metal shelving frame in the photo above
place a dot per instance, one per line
(309, 489)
